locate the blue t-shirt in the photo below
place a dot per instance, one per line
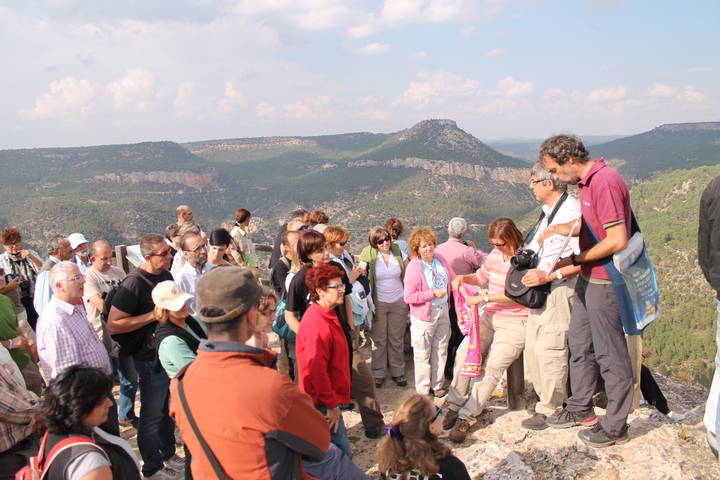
(437, 278)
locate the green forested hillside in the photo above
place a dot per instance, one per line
(683, 338)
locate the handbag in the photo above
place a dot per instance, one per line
(186, 409)
(526, 259)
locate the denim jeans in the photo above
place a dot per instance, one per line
(339, 438)
(125, 367)
(156, 430)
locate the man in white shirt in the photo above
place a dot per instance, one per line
(194, 250)
(546, 348)
(80, 247)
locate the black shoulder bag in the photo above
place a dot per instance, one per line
(206, 448)
(524, 260)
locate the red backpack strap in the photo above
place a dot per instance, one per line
(44, 462)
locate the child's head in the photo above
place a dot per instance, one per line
(411, 442)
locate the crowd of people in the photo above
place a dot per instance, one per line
(189, 330)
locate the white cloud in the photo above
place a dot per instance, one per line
(691, 95)
(310, 108)
(554, 94)
(700, 69)
(437, 85)
(495, 52)
(417, 57)
(134, 87)
(308, 15)
(264, 110)
(606, 94)
(378, 115)
(66, 97)
(514, 88)
(467, 32)
(182, 104)
(661, 90)
(396, 12)
(373, 49)
(361, 31)
(231, 98)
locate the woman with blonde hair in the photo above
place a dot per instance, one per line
(411, 449)
(427, 289)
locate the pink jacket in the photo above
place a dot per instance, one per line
(417, 292)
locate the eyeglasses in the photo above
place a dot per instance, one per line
(75, 278)
(195, 250)
(339, 287)
(384, 240)
(498, 245)
(533, 182)
(160, 254)
(438, 412)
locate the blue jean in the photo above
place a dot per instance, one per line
(339, 438)
(125, 367)
(156, 430)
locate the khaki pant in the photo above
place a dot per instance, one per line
(430, 342)
(387, 335)
(459, 391)
(546, 349)
(507, 345)
(362, 390)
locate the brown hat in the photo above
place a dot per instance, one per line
(225, 293)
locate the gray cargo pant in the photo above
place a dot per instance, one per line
(597, 346)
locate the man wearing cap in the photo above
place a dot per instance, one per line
(253, 418)
(80, 245)
(59, 250)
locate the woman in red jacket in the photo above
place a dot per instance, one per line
(322, 350)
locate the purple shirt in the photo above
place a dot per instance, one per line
(604, 201)
(462, 258)
(65, 338)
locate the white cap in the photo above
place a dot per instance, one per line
(168, 295)
(76, 239)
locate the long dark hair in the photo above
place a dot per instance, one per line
(71, 396)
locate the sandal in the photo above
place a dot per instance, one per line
(400, 381)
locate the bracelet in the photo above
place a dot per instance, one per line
(10, 344)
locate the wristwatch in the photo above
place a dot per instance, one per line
(487, 298)
(573, 259)
(558, 275)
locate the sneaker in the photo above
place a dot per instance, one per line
(536, 422)
(379, 382)
(460, 432)
(175, 463)
(451, 417)
(128, 422)
(563, 418)
(400, 381)
(676, 417)
(599, 438)
(166, 474)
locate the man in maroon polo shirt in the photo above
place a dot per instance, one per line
(596, 338)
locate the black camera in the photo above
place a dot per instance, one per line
(24, 284)
(524, 259)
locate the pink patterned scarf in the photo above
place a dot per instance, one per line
(469, 323)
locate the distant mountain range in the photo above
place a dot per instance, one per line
(527, 148)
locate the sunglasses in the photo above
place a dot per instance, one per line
(438, 412)
(498, 245)
(160, 254)
(339, 287)
(384, 240)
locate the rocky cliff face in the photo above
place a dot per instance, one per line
(458, 169)
(246, 144)
(686, 127)
(193, 180)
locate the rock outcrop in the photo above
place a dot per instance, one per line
(190, 179)
(458, 169)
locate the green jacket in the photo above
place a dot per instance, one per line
(369, 255)
(9, 329)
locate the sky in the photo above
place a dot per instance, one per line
(123, 71)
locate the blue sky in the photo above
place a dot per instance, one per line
(107, 71)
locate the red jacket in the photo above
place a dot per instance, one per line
(255, 420)
(323, 357)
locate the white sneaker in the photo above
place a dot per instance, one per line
(166, 474)
(175, 463)
(676, 417)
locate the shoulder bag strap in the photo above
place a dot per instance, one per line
(206, 448)
(550, 217)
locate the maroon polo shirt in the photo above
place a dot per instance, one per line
(604, 201)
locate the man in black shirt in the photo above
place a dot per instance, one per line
(131, 322)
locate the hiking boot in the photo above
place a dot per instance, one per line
(563, 418)
(536, 422)
(451, 417)
(166, 474)
(460, 432)
(599, 438)
(175, 463)
(400, 381)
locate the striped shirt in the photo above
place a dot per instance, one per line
(65, 338)
(493, 272)
(17, 411)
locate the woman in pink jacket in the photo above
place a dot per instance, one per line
(427, 289)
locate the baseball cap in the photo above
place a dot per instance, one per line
(225, 293)
(76, 239)
(168, 295)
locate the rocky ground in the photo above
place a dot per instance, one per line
(497, 448)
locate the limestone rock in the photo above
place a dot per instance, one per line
(495, 462)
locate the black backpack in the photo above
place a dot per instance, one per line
(129, 342)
